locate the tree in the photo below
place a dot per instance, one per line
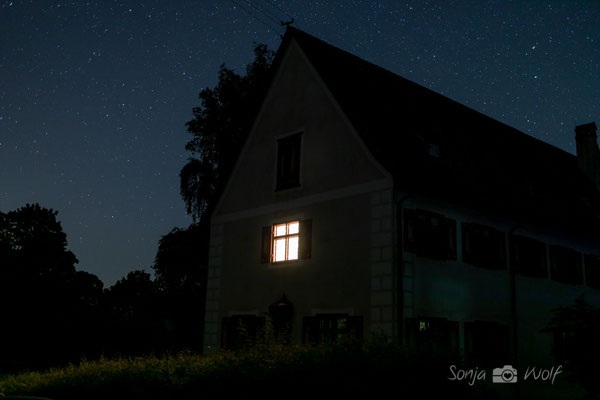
(46, 303)
(34, 244)
(220, 127)
(179, 265)
(180, 268)
(134, 316)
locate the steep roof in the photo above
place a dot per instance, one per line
(483, 164)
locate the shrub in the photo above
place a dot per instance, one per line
(269, 370)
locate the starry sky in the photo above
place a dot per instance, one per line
(94, 95)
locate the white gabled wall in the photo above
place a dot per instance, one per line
(345, 193)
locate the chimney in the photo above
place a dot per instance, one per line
(588, 153)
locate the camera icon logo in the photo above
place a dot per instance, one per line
(506, 374)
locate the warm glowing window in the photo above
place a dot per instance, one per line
(286, 240)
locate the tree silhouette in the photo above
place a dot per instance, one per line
(576, 329)
(33, 239)
(180, 268)
(220, 127)
(134, 316)
(47, 306)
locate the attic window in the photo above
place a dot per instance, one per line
(288, 162)
(287, 241)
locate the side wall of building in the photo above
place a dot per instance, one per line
(459, 291)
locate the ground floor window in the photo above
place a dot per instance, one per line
(331, 328)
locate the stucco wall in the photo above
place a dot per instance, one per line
(463, 292)
(332, 156)
(345, 193)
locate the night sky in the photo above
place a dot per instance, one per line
(94, 95)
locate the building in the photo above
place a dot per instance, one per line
(363, 203)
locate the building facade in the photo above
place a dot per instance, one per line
(363, 204)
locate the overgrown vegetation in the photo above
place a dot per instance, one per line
(269, 370)
(576, 330)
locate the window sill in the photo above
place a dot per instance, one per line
(288, 189)
(285, 264)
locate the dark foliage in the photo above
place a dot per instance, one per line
(220, 127)
(343, 370)
(49, 308)
(180, 267)
(133, 316)
(576, 330)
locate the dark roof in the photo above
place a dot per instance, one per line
(483, 164)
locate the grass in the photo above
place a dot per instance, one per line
(271, 371)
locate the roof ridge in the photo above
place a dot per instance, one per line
(295, 32)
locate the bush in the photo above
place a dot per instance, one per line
(268, 370)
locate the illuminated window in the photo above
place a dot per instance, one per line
(288, 241)
(285, 241)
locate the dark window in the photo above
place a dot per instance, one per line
(528, 256)
(288, 162)
(287, 241)
(487, 343)
(240, 331)
(432, 334)
(592, 270)
(331, 328)
(429, 234)
(483, 246)
(565, 265)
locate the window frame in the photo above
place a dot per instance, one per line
(304, 235)
(287, 236)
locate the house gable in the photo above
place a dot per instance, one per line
(332, 158)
